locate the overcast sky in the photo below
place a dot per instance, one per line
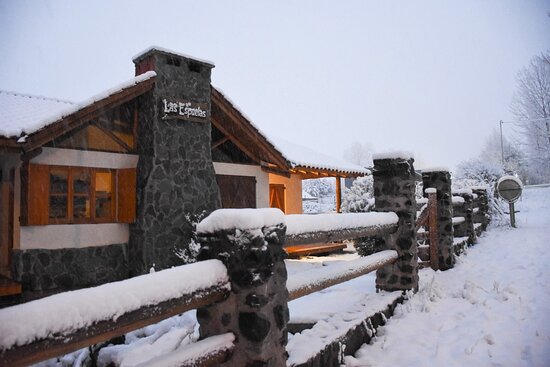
(430, 77)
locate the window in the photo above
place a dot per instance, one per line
(75, 195)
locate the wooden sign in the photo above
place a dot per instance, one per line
(184, 110)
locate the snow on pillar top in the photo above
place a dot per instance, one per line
(145, 60)
(393, 155)
(243, 219)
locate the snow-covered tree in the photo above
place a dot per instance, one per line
(480, 172)
(359, 197)
(531, 107)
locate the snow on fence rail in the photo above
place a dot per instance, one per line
(305, 229)
(62, 323)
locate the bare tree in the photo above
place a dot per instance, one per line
(531, 106)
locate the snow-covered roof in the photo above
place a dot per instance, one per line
(22, 114)
(26, 113)
(300, 156)
(297, 155)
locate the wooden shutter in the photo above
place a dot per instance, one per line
(126, 197)
(38, 194)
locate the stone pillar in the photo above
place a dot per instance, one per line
(482, 216)
(256, 310)
(394, 191)
(441, 181)
(465, 229)
(175, 176)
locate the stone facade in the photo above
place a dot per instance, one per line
(441, 181)
(68, 268)
(394, 191)
(256, 310)
(175, 174)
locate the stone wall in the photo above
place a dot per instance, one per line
(256, 310)
(175, 174)
(394, 191)
(41, 269)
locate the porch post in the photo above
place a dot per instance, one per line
(338, 194)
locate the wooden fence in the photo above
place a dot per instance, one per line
(242, 314)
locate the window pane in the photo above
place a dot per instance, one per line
(81, 182)
(103, 195)
(58, 180)
(58, 206)
(81, 207)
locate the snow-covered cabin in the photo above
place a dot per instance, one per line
(107, 188)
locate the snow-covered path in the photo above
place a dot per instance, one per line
(492, 309)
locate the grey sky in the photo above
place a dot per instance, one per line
(431, 77)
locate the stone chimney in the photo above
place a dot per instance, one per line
(176, 181)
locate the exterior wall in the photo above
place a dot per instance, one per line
(262, 179)
(72, 235)
(293, 192)
(70, 255)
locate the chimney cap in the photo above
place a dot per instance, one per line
(156, 49)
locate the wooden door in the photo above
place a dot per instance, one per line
(277, 196)
(237, 191)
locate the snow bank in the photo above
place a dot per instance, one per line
(70, 311)
(458, 200)
(305, 223)
(227, 219)
(305, 345)
(393, 155)
(491, 309)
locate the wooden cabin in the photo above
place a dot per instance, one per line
(105, 189)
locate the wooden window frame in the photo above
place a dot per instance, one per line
(69, 219)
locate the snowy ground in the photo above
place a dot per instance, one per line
(492, 309)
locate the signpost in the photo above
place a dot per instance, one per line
(509, 188)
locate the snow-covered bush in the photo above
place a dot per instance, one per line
(477, 172)
(359, 197)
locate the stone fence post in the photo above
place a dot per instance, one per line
(394, 191)
(256, 311)
(440, 180)
(482, 216)
(466, 210)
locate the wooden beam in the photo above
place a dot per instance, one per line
(219, 142)
(109, 133)
(276, 171)
(105, 330)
